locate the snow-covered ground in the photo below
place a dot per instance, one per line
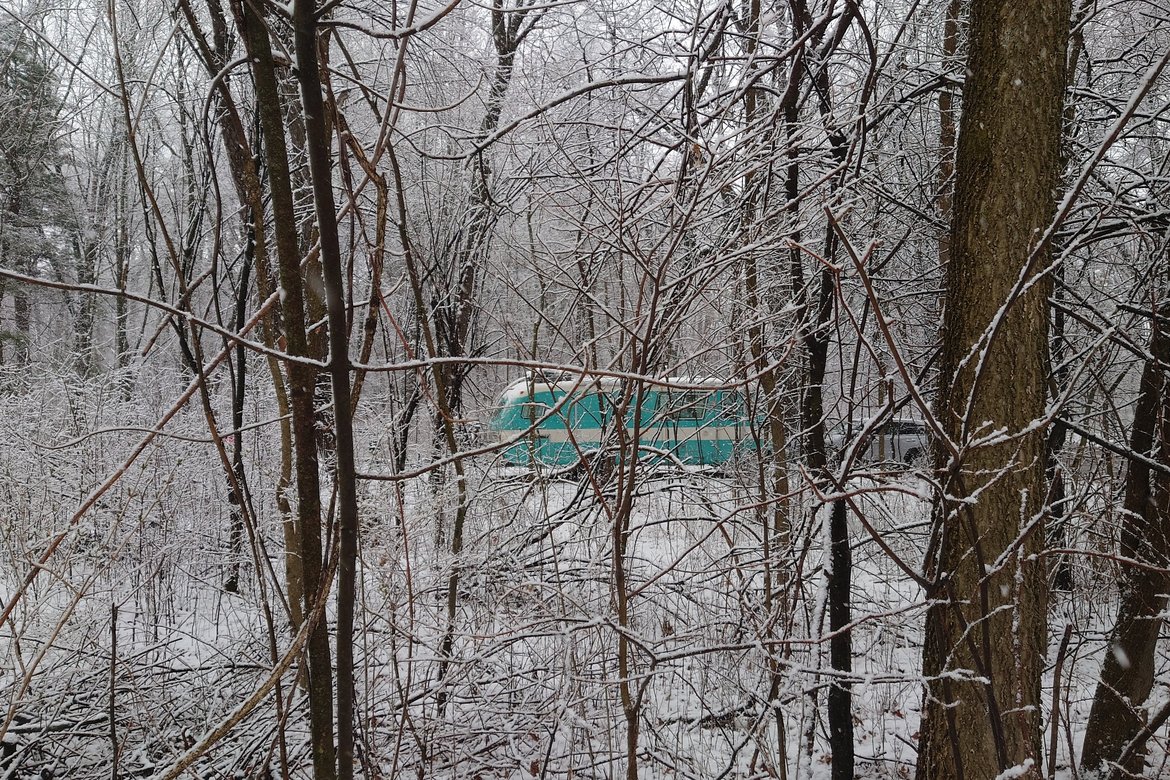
(130, 618)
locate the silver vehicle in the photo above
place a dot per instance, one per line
(894, 441)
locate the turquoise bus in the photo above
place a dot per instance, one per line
(562, 420)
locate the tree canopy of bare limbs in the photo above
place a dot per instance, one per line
(278, 280)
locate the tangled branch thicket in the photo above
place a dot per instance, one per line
(670, 195)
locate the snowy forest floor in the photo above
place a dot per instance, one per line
(126, 649)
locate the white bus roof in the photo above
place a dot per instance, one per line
(565, 383)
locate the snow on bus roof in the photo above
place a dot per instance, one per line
(568, 382)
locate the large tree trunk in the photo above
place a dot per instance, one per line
(986, 627)
(20, 305)
(1127, 674)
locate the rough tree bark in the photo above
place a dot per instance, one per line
(986, 626)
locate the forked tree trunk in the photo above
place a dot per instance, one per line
(320, 167)
(817, 303)
(986, 627)
(448, 318)
(242, 161)
(301, 381)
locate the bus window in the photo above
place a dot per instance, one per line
(649, 406)
(731, 405)
(688, 404)
(588, 411)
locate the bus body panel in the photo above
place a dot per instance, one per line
(557, 424)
